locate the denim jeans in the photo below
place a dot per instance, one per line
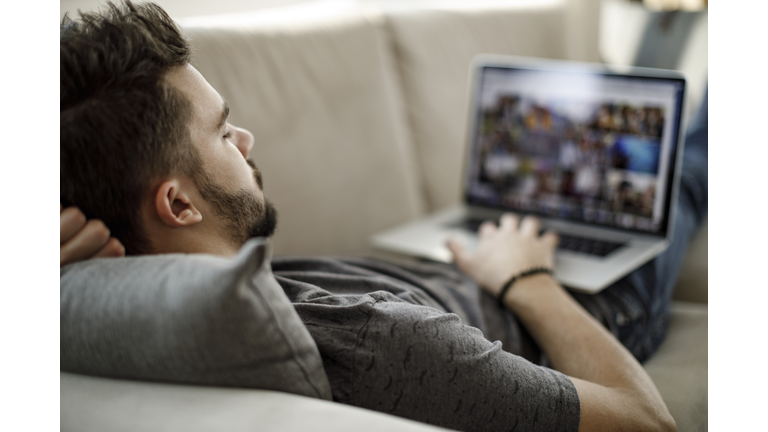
(636, 308)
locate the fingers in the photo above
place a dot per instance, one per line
(509, 221)
(551, 238)
(487, 228)
(85, 243)
(530, 226)
(112, 249)
(458, 251)
(72, 221)
(82, 239)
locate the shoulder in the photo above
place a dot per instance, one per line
(404, 327)
(344, 326)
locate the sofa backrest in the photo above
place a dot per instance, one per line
(359, 113)
(433, 49)
(317, 88)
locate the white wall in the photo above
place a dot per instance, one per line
(186, 8)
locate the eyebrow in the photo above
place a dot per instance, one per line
(224, 115)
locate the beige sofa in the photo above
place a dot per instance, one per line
(359, 115)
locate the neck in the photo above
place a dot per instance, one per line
(189, 240)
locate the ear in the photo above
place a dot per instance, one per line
(174, 206)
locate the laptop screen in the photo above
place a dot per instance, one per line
(585, 146)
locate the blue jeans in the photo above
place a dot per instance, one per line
(636, 309)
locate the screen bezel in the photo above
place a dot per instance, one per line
(483, 61)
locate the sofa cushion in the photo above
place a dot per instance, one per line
(316, 85)
(693, 281)
(680, 366)
(196, 319)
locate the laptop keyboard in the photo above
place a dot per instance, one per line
(569, 242)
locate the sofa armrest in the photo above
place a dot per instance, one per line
(103, 404)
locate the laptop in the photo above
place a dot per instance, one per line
(593, 151)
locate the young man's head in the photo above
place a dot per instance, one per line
(145, 145)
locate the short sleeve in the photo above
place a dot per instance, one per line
(416, 362)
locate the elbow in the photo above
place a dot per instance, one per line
(658, 413)
(667, 424)
(658, 419)
(661, 422)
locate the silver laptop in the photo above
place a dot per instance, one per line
(593, 151)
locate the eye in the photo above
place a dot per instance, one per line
(228, 135)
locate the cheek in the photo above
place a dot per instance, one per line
(256, 173)
(227, 171)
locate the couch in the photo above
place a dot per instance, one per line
(358, 114)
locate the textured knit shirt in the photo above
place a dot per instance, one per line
(409, 341)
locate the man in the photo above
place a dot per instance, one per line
(145, 147)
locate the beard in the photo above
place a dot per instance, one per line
(245, 217)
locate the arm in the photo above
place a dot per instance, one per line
(614, 391)
(82, 239)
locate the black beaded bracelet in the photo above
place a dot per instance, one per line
(533, 271)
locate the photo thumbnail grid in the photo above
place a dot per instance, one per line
(576, 159)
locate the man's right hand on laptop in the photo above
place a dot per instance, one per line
(504, 251)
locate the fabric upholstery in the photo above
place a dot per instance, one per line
(316, 86)
(110, 405)
(434, 48)
(195, 319)
(693, 282)
(680, 366)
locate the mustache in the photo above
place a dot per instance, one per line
(256, 173)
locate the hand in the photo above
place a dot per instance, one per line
(82, 239)
(505, 251)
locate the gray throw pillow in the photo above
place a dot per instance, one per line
(195, 319)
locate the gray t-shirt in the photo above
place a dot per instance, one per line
(408, 341)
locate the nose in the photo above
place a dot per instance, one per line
(243, 140)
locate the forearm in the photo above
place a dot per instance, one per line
(567, 333)
(581, 348)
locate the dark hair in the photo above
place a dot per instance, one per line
(123, 126)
